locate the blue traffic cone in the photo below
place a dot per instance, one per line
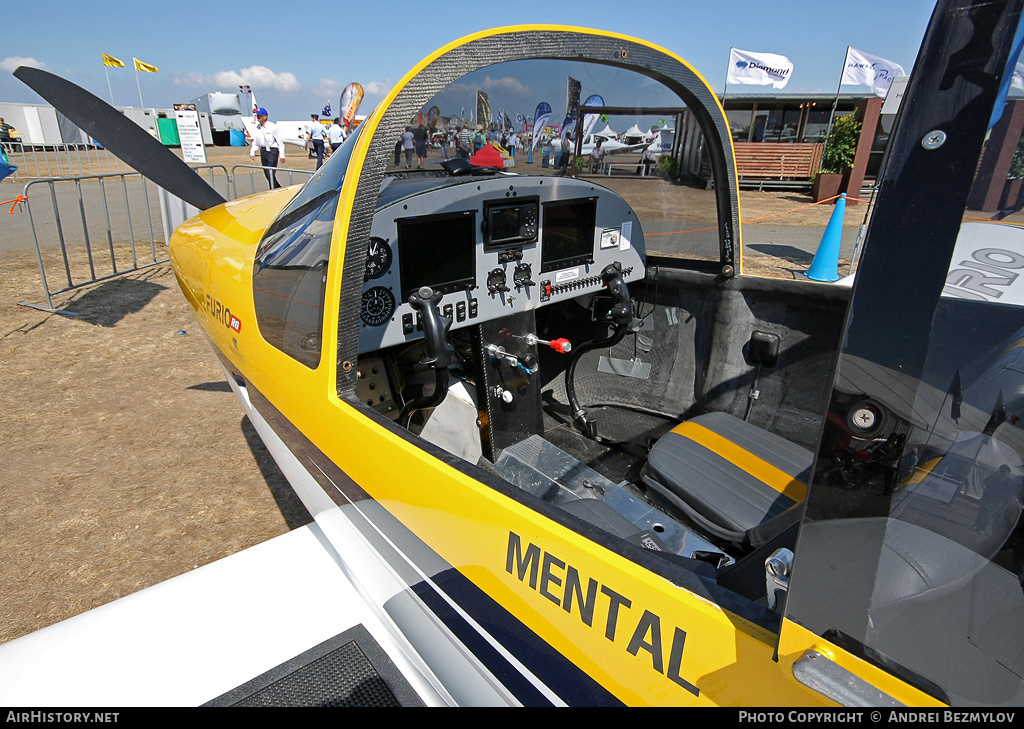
(825, 266)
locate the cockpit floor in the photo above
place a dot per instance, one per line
(625, 437)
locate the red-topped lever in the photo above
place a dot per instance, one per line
(560, 345)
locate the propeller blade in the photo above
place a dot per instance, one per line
(123, 137)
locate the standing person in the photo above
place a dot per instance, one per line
(268, 140)
(444, 144)
(419, 136)
(336, 136)
(6, 138)
(316, 136)
(408, 146)
(564, 162)
(464, 142)
(597, 156)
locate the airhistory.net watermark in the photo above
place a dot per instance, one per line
(62, 717)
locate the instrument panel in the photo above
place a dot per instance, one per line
(493, 247)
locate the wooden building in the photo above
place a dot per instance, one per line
(779, 139)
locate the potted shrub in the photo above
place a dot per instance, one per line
(667, 167)
(837, 157)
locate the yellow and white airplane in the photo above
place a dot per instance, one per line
(560, 450)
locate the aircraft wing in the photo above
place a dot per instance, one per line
(294, 132)
(626, 148)
(278, 607)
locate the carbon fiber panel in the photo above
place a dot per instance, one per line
(350, 670)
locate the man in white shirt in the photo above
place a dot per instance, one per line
(316, 136)
(268, 140)
(336, 135)
(597, 157)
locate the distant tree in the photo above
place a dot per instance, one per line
(1017, 164)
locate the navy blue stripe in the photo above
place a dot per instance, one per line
(497, 664)
(550, 667)
(557, 672)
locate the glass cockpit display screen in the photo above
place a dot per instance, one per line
(438, 251)
(568, 233)
(510, 223)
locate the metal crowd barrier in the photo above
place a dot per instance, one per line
(77, 202)
(227, 189)
(262, 176)
(37, 161)
(102, 264)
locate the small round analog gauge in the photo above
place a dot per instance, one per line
(377, 307)
(378, 258)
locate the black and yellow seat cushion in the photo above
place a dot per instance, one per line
(735, 480)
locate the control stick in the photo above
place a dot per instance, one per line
(435, 327)
(439, 352)
(622, 306)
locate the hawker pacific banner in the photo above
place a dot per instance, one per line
(864, 69)
(1017, 81)
(746, 67)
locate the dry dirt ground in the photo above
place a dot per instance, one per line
(127, 459)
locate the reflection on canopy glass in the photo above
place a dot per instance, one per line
(627, 133)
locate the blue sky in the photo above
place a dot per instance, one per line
(298, 56)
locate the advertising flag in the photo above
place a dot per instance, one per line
(326, 111)
(747, 67)
(573, 88)
(140, 66)
(483, 107)
(540, 118)
(350, 98)
(111, 61)
(864, 69)
(591, 119)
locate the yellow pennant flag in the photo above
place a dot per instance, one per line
(111, 61)
(140, 66)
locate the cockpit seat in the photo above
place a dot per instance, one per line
(734, 480)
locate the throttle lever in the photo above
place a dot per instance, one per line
(435, 328)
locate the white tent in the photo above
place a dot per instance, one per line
(634, 134)
(607, 132)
